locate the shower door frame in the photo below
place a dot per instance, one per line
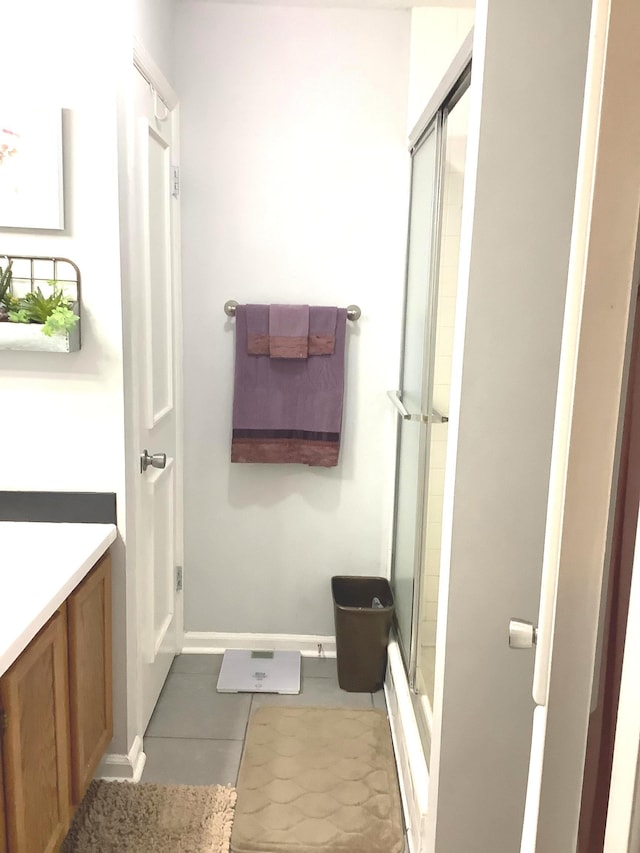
(410, 651)
(454, 84)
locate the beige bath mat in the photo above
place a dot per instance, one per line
(317, 779)
(127, 818)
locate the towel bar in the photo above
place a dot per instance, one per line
(353, 311)
(434, 418)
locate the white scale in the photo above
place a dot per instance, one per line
(246, 671)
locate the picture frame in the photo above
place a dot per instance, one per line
(31, 170)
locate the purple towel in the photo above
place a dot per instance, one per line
(288, 331)
(287, 410)
(257, 329)
(322, 330)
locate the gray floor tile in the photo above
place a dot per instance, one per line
(319, 668)
(187, 761)
(189, 707)
(197, 664)
(321, 692)
(379, 701)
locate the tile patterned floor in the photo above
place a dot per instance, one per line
(196, 735)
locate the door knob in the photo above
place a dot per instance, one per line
(156, 460)
(522, 635)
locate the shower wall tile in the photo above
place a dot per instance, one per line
(432, 561)
(431, 610)
(428, 632)
(432, 584)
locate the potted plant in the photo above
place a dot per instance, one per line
(46, 321)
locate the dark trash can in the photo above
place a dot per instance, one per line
(363, 610)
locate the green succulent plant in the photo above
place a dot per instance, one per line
(40, 307)
(5, 283)
(61, 320)
(18, 315)
(53, 311)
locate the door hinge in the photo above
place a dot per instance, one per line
(3, 722)
(175, 181)
(178, 578)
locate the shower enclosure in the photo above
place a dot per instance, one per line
(438, 149)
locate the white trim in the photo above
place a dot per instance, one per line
(576, 283)
(125, 768)
(602, 273)
(214, 643)
(151, 72)
(413, 773)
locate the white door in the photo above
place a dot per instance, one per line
(596, 340)
(155, 263)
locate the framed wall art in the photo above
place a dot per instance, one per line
(31, 180)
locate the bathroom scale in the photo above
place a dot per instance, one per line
(246, 671)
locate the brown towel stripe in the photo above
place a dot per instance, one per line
(289, 446)
(300, 434)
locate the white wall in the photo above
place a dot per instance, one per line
(62, 415)
(153, 25)
(294, 189)
(437, 34)
(514, 262)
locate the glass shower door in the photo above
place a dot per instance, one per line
(455, 121)
(411, 398)
(435, 215)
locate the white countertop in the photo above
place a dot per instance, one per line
(40, 564)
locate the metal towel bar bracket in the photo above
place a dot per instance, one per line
(353, 311)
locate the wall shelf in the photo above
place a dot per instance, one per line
(29, 274)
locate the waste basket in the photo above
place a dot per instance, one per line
(363, 609)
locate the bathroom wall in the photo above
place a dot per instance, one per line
(294, 188)
(154, 27)
(436, 36)
(62, 416)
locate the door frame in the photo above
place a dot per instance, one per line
(622, 818)
(147, 67)
(603, 273)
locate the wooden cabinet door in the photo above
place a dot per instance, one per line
(89, 614)
(34, 696)
(3, 823)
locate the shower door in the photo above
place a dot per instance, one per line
(411, 399)
(437, 180)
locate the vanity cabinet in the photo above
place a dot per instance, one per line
(3, 822)
(35, 698)
(56, 699)
(89, 617)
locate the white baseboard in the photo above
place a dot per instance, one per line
(123, 768)
(413, 774)
(214, 643)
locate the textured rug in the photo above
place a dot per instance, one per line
(145, 818)
(317, 779)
